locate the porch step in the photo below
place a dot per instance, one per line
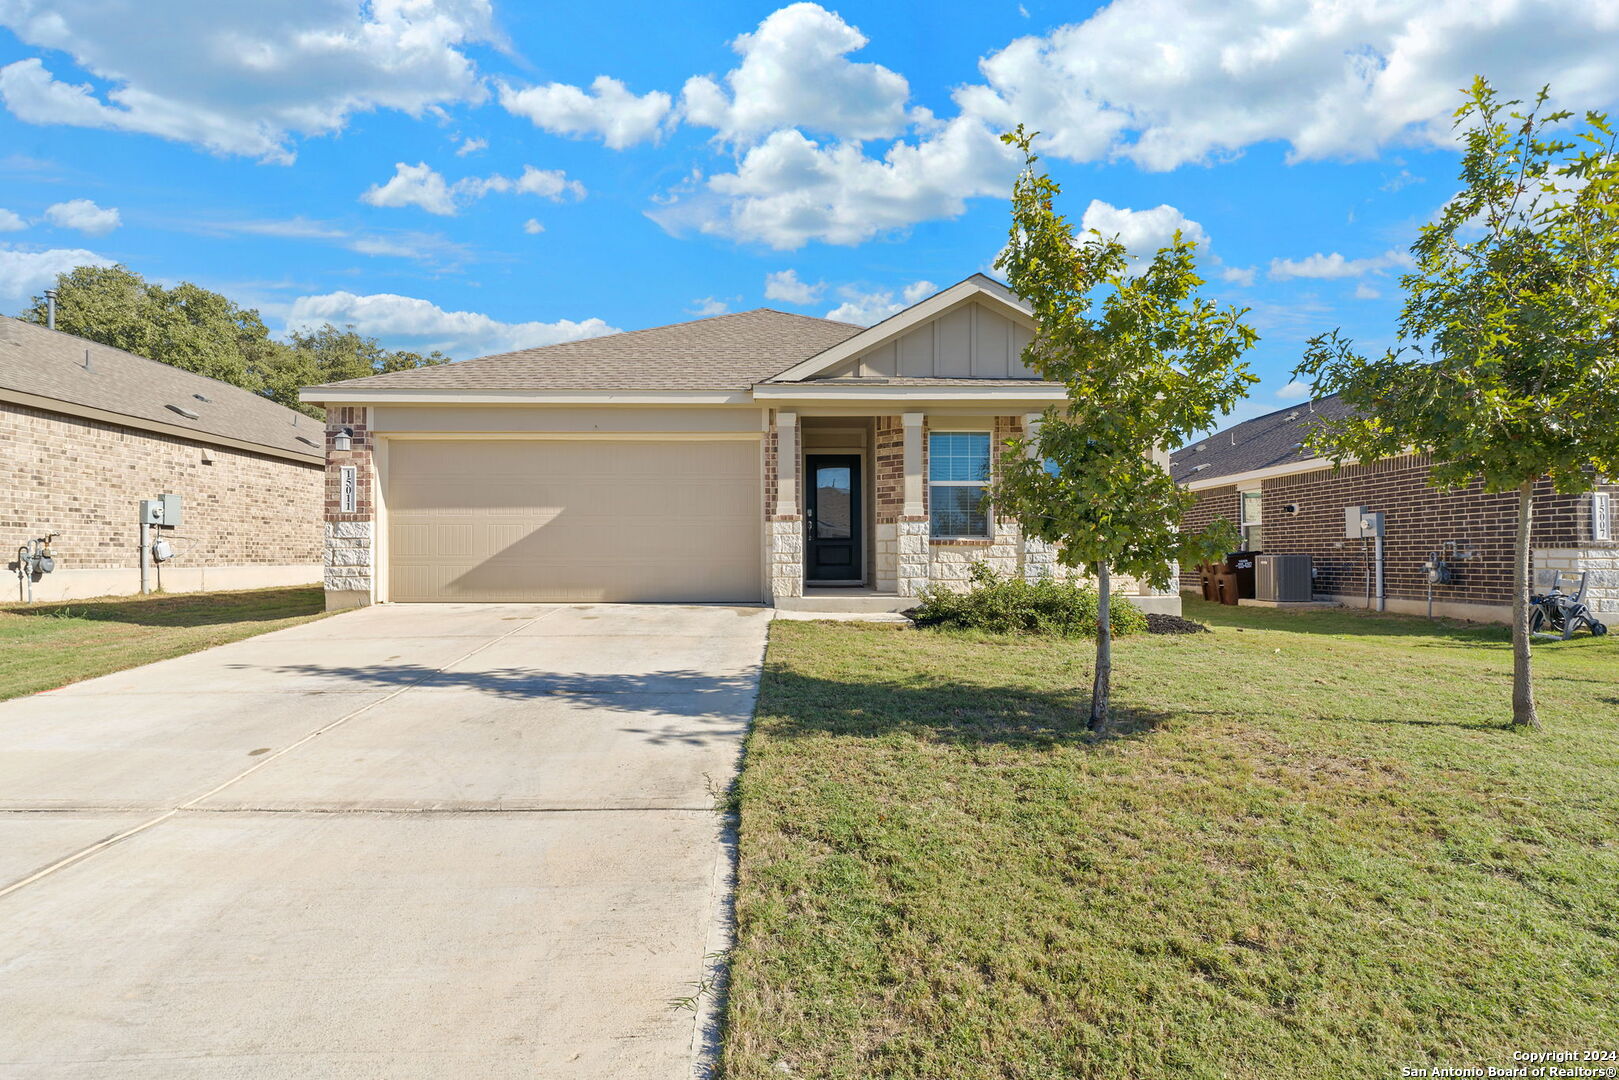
(849, 601)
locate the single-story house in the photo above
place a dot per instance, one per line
(1261, 476)
(757, 457)
(90, 431)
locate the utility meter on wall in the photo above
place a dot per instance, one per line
(163, 510)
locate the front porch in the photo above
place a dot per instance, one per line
(866, 510)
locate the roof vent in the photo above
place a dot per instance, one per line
(1294, 415)
(203, 397)
(1200, 467)
(1202, 446)
(311, 442)
(183, 411)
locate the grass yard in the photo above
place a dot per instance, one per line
(47, 645)
(1313, 852)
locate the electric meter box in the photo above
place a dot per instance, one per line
(163, 510)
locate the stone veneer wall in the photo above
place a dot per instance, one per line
(249, 520)
(350, 537)
(888, 463)
(784, 533)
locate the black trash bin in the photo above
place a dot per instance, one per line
(1243, 564)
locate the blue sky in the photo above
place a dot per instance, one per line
(477, 177)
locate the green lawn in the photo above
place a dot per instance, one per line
(1313, 852)
(43, 646)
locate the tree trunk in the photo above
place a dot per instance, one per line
(1523, 685)
(1101, 684)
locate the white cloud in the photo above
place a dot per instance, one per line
(429, 248)
(83, 215)
(413, 185)
(790, 190)
(243, 78)
(1335, 265)
(608, 110)
(10, 222)
(1239, 275)
(533, 227)
(425, 325)
(1364, 291)
(471, 146)
(1142, 232)
(794, 74)
(1293, 391)
(421, 185)
(867, 307)
(1169, 82)
(24, 274)
(709, 306)
(785, 286)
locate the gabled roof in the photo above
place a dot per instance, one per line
(979, 287)
(726, 352)
(43, 368)
(1272, 441)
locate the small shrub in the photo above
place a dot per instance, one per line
(1010, 605)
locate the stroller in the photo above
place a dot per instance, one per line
(1560, 612)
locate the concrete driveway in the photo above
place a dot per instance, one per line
(408, 841)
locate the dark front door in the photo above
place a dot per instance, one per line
(832, 520)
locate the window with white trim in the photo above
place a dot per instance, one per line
(958, 480)
(1251, 512)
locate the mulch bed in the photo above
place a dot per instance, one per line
(1158, 623)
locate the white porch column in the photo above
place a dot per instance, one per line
(1039, 557)
(912, 541)
(786, 529)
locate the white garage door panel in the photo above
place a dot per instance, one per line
(573, 521)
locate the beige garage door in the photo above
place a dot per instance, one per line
(566, 521)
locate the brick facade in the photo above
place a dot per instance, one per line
(242, 512)
(350, 542)
(1419, 519)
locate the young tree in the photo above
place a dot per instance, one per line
(1507, 369)
(1146, 364)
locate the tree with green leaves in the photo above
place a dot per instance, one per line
(199, 330)
(1146, 363)
(1507, 366)
(187, 326)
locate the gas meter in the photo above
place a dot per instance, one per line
(1436, 571)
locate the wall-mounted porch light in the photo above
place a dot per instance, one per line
(344, 439)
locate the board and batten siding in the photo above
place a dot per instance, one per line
(966, 342)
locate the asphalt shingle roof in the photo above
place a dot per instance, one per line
(51, 364)
(726, 352)
(1260, 443)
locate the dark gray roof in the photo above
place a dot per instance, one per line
(1260, 443)
(726, 352)
(50, 364)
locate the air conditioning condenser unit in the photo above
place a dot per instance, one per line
(1283, 578)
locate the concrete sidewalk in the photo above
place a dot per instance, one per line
(407, 841)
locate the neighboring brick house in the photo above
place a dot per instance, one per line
(1259, 476)
(88, 431)
(754, 457)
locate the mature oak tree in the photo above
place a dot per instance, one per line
(1507, 367)
(199, 330)
(1146, 363)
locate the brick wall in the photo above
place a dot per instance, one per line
(1419, 519)
(84, 479)
(350, 543)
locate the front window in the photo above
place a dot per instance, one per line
(958, 479)
(1251, 540)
